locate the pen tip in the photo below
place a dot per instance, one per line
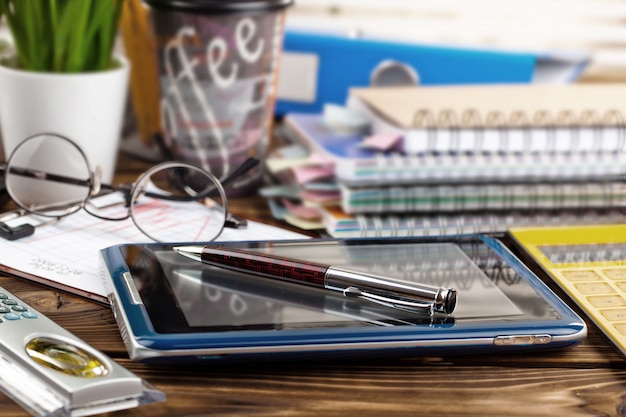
(196, 250)
(191, 252)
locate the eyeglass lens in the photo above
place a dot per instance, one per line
(179, 198)
(54, 158)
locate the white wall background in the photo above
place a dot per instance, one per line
(594, 26)
(597, 27)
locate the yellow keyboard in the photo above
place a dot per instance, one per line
(589, 264)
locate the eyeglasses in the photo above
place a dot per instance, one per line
(169, 199)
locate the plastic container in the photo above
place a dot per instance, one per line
(218, 68)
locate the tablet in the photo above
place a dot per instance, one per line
(173, 309)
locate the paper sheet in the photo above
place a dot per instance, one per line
(65, 255)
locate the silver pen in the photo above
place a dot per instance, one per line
(377, 288)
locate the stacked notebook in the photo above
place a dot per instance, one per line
(463, 159)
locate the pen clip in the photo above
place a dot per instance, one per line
(414, 306)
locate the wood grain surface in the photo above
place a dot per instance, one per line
(586, 380)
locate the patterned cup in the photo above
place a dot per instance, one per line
(218, 67)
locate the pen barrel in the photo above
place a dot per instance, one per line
(266, 265)
(340, 279)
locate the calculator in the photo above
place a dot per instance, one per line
(49, 371)
(589, 264)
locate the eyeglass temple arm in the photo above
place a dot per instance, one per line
(232, 221)
(246, 166)
(240, 170)
(46, 176)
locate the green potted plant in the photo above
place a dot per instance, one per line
(3, 43)
(63, 76)
(63, 35)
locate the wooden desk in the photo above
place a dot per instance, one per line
(589, 379)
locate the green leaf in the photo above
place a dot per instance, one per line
(63, 35)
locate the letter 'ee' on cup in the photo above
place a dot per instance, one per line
(218, 70)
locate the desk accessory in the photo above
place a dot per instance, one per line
(50, 372)
(589, 264)
(340, 224)
(218, 65)
(498, 118)
(65, 255)
(87, 81)
(601, 194)
(376, 288)
(393, 193)
(353, 163)
(173, 309)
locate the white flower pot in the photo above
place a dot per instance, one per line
(85, 107)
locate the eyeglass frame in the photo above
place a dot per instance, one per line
(95, 186)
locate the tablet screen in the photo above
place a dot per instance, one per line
(183, 295)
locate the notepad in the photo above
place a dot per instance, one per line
(498, 118)
(474, 198)
(354, 164)
(65, 255)
(340, 224)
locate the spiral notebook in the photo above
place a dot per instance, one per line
(470, 198)
(356, 165)
(339, 224)
(498, 118)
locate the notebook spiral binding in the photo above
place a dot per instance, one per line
(450, 148)
(599, 193)
(584, 132)
(416, 225)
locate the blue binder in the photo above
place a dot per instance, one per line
(319, 68)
